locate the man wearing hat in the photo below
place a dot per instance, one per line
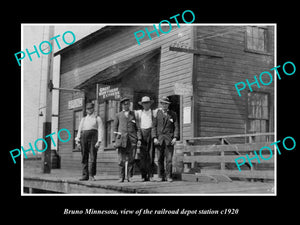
(89, 136)
(165, 133)
(144, 121)
(125, 138)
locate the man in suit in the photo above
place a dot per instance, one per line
(125, 138)
(165, 133)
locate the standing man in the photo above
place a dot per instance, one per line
(125, 138)
(165, 133)
(89, 136)
(144, 118)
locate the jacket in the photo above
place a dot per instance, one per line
(125, 129)
(165, 128)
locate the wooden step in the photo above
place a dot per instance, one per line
(206, 178)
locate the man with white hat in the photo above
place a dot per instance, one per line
(144, 121)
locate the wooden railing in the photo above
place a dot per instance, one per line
(219, 158)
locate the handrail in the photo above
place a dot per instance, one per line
(231, 136)
(222, 158)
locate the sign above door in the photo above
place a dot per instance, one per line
(109, 92)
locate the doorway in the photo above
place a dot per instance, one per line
(175, 106)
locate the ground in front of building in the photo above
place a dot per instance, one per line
(67, 181)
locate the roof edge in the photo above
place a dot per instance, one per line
(84, 40)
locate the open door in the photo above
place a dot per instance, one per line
(175, 106)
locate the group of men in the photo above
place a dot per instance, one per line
(145, 130)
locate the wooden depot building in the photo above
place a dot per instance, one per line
(196, 66)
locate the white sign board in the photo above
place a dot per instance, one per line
(183, 89)
(75, 103)
(187, 115)
(111, 92)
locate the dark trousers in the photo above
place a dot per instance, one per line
(126, 154)
(88, 141)
(165, 153)
(147, 154)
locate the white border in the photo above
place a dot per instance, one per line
(22, 112)
(139, 24)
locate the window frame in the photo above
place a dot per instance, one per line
(266, 42)
(248, 118)
(76, 128)
(110, 120)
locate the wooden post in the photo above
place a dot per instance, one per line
(105, 125)
(46, 156)
(97, 99)
(251, 167)
(180, 116)
(222, 156)
(178, 167)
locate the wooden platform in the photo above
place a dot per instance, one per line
(67, 182)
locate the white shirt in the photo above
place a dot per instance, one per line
(146, 119)
(126, 113)
(91, 122)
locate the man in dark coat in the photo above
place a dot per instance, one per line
(165, 133)
(125, 138)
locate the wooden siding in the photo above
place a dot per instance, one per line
(220, 111)
(79, 65)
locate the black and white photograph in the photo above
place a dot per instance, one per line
(149, 109)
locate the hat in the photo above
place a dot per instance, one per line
(124, 99)
(145, 99)
(89, 105)
(165, 100)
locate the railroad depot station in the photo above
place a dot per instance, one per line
(196, 66)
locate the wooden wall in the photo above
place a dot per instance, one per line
(220, 111)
